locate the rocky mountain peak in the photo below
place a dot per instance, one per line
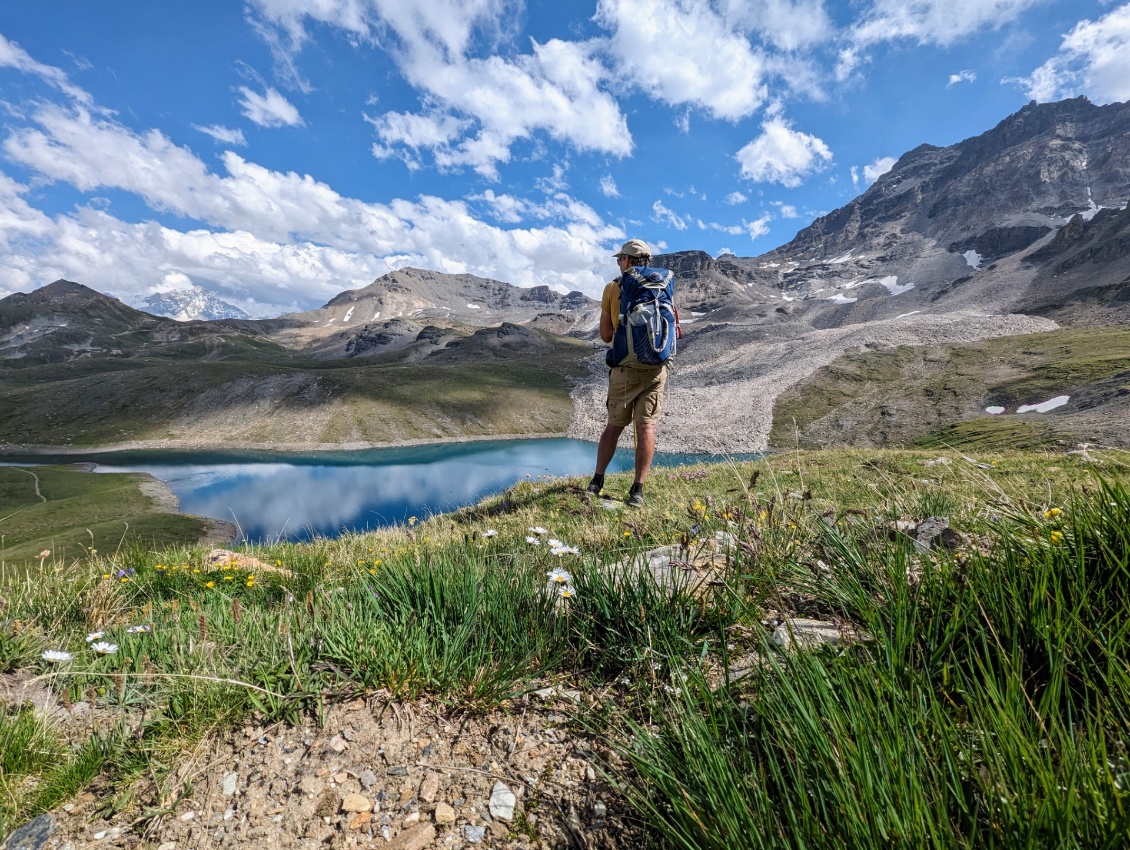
(194, 303)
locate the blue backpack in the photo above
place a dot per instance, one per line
(648, 325)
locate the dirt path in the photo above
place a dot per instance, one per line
(38, 495)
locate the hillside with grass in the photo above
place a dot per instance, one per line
(819, 649)
(940, 395)
(282, 400)
(73, 515)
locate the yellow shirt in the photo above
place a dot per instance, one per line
(610, 302)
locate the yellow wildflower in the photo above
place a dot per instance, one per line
(209, 584)
(1057, 538)
(1052, 513)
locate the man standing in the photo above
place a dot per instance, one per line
(635, 389)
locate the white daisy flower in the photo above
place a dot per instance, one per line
(56, 656)
(533, 540)
(559, 576)
(93, 636)
(104, 648)
(566, 592)
(555, 543)
(139, 630)
(537, 529)
(490, 532)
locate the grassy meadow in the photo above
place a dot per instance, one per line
(981, 697)
(73, 515)
(937, 395)
(104, 401)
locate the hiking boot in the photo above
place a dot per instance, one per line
(635, 496)
(596, 485)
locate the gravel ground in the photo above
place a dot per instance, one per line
(377, 774)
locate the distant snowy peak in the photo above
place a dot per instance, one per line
(195, 303)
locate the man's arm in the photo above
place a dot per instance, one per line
(609, 301)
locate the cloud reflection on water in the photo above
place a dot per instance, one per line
(296, 501)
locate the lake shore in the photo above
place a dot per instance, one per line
(13, 450)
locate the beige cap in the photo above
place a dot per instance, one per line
(634, 248)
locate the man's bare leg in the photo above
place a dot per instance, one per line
(606, 448)
(645, 450)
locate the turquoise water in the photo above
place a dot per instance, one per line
(272, 496)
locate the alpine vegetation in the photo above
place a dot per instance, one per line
(817, 649)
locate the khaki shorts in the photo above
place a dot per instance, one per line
(635, 394)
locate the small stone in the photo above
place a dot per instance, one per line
(502, 802)
(590, 774)
(429, 788)
(102, 833)
(444, 813)
(339, 745)
(398, 771)
(368, 779)
(497, 830)
(229, 814)
(416, 838)
(475, 834)
(187, 816)
(340, 778)
(356, 803)
(360, 819)
(227, 787)
(168, 845)
(806, 634)
(599, 810)
(411, 817)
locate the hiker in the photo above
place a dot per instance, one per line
(642, 346)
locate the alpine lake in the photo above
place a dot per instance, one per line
(290, 496)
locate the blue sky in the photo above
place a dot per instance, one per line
(278, 152)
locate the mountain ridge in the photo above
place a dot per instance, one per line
(1019, 230)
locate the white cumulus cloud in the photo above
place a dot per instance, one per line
(269, 109)
(1093, 59)
(14, 56)
(961, 77)
(662, 214)
(224, 135)
(683, 52)
(878, 168)
(782, 155)
(940, 22)
(266, 240)
(608, 187)
(475, 106)
(787, 24)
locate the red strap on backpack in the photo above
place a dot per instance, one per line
(678, 327)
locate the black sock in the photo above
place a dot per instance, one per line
(597, 478)
(636, 488)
